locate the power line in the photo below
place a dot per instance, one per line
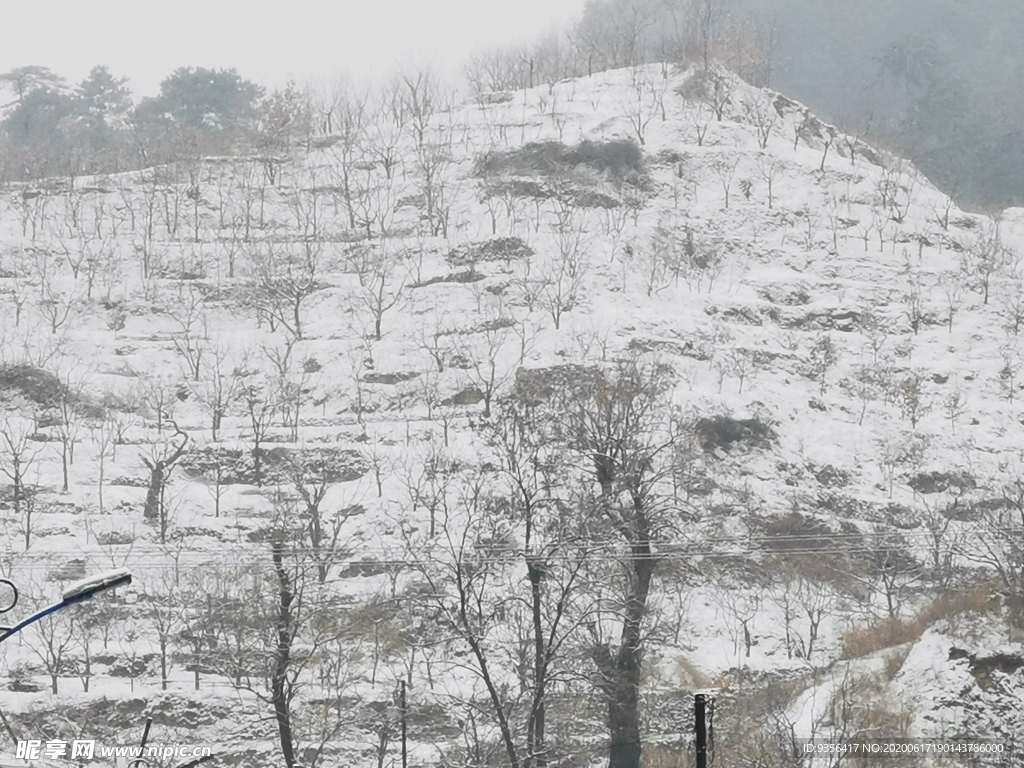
(713, 546)
(221, 562)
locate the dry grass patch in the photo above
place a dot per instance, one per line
(863, 641)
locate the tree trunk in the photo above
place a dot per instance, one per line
(88, 668)
(156, 488)
(257, 467)
(16, 478)
(64, 465)
(620, 672)
(621, 687)
(163, 663)
(536, 726)
(316, 542)
(282, 659)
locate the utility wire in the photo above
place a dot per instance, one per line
(786, 545)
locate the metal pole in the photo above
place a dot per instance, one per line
(700, 729)
(711, 729)
(11, 631)
(140, 758)
(401, 704)
(78, 592)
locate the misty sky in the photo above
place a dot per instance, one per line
(266, 40)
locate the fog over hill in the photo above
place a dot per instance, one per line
(493, 429)
(941, 80)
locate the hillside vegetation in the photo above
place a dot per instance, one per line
(548, 409)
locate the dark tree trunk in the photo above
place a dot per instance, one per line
(282, 659)
(536, 726)
(155, 492)
(257, 462)
(64, 466)
(620, 671)
(163, 663)
(158, 471)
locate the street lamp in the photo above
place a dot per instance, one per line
(75, 593)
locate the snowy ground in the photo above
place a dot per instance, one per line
(827, 254)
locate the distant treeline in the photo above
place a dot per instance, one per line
(51, 128)
(934, 81)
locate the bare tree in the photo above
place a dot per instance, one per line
(313, 475)
(699, 119)
(617, 425)
(645, 99)
(654, 262)
(996, 540)
(893, 570)
(487, 369)
(941, 213)
(760, 112)
(195, 627)
(436, 339)
(898, 450)
(284, 640)
(897, 187)
(260, 400)
(420, 100)
(193, 335)
(743, 606)
(708, 18)
(952, 286)
(55, 641)
(282, 283)
(55, 305)
(827, 140)
(954, 405)
(103, 434)
(554, 560)
(816, 601)
(714, 88)
(19, 453)
(217, 389)
(724, 169)
(770, 170)
(160, 462)
(525, 634)
(983, 258)
(910, 397)
(164, 610)
(562, 277)
(435, 182)
(855, 130)
(289, 384)
(375, 267)
(69, 422)
(18, 266)
(823, 357)
(1009, 376)
(863, 385)
(158, 393)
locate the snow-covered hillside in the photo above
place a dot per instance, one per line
(233, 386)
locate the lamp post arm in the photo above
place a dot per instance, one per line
(81, 590)
(8, 631)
